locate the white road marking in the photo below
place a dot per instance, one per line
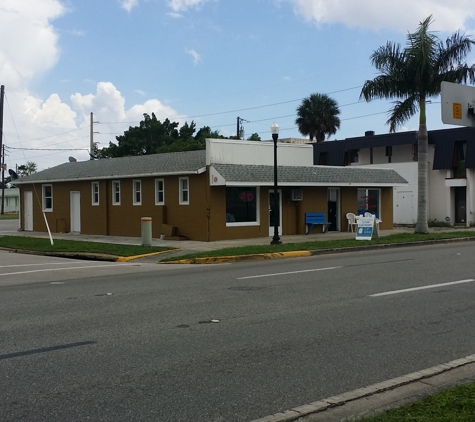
(290, 272)
(61, 269)
(431, 286)
(36, 265)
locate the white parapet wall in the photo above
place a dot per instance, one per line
(228, 151)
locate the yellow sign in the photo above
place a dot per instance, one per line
(457, 110)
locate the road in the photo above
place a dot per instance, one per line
(135, 342)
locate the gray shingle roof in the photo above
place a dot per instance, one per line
(143, 165)
(312, 175)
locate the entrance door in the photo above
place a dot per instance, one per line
(272, 217)
(28, 211)
(75, 204)
(460, 205)
(333, 207)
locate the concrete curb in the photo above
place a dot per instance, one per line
(86, 255)
(331, 402)
(236, 258)
(299, 254)
(131, 258)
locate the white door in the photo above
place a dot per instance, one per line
(279, 212)
(28, 211)
(404, 209)
(75, 212)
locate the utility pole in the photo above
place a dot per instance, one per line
(2, 147)
(240, 127)
(2, 211)
(91, 137)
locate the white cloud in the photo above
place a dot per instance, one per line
(28, 50)
(400, 15)
(175, 15)
(128, 4)
(27, 40)
(183, 5)
(195, 55)
(140, 92)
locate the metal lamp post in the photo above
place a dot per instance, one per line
(274, 129)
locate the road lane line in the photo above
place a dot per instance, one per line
(287, 273)
(62, 269)
(35, 265)
(413, 289)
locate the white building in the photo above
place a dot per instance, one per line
(451, 170)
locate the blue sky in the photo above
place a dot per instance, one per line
(209, 61)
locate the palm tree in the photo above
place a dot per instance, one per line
(318, 117)
(411, 76)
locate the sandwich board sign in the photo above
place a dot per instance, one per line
(457, 104)
(367, 227)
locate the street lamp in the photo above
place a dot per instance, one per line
(274, 129)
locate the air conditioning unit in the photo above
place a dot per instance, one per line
(297, 194)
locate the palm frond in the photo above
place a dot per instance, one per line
(401, 112)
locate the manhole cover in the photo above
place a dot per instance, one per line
(246, 288)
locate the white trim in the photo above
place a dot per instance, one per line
(157, 202)
(93, 194)
(181, 201)
(113, 184)
(43, 198)
(135, 191)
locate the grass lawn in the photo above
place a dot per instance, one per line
(327, 244)
(454, 405)
(44, 245)
(9, 216)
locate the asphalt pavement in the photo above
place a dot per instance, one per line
(367, 400)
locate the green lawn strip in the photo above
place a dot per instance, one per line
(60, 245)
(453, 405)
(9, 216)
(325, 244)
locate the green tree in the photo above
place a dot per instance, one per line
(26, 169)
(254, 137)
(318, 117)
(410, 76)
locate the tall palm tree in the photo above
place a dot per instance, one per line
(318, 117)
(412, 75)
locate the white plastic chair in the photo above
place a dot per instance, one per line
(351, 221)
(368, 214)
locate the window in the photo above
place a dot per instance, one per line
(115, 192)
(323, 159)
(137, 184)
(368, 201)
(415, 152)
(389, 152)
(47, 198)
(159, 192)
(95, 193)
(184, 191)
(241, 206)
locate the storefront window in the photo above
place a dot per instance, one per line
(368, 201)
(241, 205)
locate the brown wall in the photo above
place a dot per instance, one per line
(203, 219)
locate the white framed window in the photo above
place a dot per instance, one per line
(95, 193)
(242, 206)
(137, 190)
(159, 191)
(184, 190)
(115, 192)
(48, 198)
(369, 200)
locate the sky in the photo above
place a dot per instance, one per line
(207, 61)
